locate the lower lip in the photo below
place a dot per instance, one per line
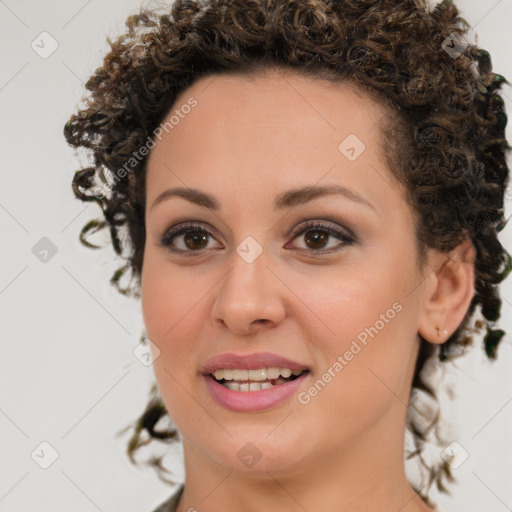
(248, 401)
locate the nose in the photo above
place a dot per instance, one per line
(250, 297)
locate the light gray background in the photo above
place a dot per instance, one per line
(69, 376)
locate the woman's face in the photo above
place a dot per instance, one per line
(255, 277)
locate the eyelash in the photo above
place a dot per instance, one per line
(344, 235)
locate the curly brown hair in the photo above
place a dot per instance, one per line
(445, 140)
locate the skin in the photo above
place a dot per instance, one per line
(342, 451)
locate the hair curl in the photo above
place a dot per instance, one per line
(445, 142)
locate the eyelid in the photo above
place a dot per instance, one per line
(339, 231)
(187, 225)
(324, 222)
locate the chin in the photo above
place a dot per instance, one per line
(255, 454)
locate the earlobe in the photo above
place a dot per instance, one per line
(448, 292)
(445, 332)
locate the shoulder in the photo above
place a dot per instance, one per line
(171, 503)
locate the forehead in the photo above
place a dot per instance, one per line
(251, 134)
(282, 98)
(268, 115)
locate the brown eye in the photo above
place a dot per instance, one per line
(317, 240)
(316, 237)
(194, 239)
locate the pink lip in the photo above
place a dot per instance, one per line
(248, 401)
(254, 361)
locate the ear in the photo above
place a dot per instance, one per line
(448, 291)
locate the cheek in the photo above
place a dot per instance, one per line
(353, 304)
(168, 300)
(174, 308)
(168, 313)
(369, 345)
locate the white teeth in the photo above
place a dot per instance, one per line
(272, 372)
(285, 372)
(223, 374)
(233, 385)
(258, 375)
(254, 380)
(252, 386)
(239, 374)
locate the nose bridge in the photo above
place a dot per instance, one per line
(249, 291)
(247, 279)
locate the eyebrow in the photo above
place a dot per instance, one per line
(285, 200)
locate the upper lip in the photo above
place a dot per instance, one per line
(254, 361)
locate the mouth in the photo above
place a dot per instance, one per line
(244, 380)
